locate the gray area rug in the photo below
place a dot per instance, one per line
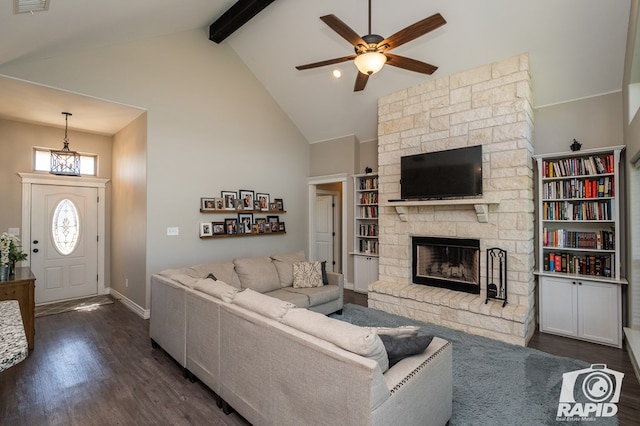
(494, 383)
(85, 304)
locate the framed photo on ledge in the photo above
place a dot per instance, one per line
(231, 226)
(247, 220)
(207, 203)
(218, 228)
(205, 229)
(279, 204)
(229, 198)
(264, 201)
(247, 198)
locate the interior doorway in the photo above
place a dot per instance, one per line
(327, 220)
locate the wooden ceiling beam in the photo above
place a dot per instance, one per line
(235, 17)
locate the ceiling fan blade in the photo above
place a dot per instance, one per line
(410, 64)
(343, 30)
(413, 31)
(361, 82)
(327, 62)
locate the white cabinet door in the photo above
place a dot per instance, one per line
(599, 312)
(365, 272)
(558, 306)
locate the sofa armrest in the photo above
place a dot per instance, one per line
(336, 278)
(421, 388)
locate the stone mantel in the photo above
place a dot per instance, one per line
(481, 206)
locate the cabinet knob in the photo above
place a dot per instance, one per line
(579, 282)
(35, 241)
(573, 282)
(35, 250)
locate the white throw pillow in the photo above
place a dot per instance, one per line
(307, 274)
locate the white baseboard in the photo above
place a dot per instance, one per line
(139, 310)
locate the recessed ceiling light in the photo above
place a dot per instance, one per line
(336, 73)
(29, 6)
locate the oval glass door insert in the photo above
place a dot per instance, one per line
(65, 229)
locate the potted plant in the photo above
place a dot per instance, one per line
(10, 253)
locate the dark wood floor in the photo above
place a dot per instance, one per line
(98, 368)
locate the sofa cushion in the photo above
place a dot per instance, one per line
(402, 331)
(301, 300)
(317, 295)
(359, 340)
(223, 271)
(217, 289)
(257, 273)
(307, 274)
(262, 304)
(284, 266)
(399, 348)
(184, 279)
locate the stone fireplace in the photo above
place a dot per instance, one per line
(452, 263)
(488, 106)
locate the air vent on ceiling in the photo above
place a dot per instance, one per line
(28, 6)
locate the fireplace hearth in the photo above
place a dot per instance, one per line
(452, 263)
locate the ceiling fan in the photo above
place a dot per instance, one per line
(372, 49)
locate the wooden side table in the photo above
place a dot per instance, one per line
(21, 287)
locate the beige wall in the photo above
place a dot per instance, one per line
(17, 140)
(594, 122)
(129, 210)
(211, 126)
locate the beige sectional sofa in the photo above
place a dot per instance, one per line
(280, 364)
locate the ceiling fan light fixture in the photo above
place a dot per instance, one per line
(370, 62)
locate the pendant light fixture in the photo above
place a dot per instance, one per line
(65, 162)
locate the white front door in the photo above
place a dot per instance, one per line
(324, 229)
(64, 242)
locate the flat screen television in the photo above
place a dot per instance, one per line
(442, 174)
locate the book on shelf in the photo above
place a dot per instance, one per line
(578, 166)
(368, 183)
(579, 264)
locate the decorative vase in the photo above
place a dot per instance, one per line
(4, 272)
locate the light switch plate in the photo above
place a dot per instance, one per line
(173, 231)
(14, 231)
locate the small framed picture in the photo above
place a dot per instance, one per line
(273, 226)
(281, 227)
(238, 204)
(229, 198)
(246, 219)
(261, 222)
(273, 207)
(279, 204)
(205, 229)
(218, 228)
(207, 204)
(241, 228)
(247, 198)
(219, 203)
(264, 201)
(256, 205)
(272, 219)
(255, 228)
(231, 226)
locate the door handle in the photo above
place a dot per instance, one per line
(35, 250)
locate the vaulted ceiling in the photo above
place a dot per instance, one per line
(576, 49)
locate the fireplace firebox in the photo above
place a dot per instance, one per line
(452, 263)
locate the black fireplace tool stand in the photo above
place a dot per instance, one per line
(496, 268)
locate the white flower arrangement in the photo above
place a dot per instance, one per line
(6, 240)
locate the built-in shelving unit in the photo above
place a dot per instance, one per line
(579, 260)
(365, 246)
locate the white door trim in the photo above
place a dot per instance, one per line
(30, 179)
(319, 180)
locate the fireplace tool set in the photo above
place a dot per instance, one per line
(496, 267)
